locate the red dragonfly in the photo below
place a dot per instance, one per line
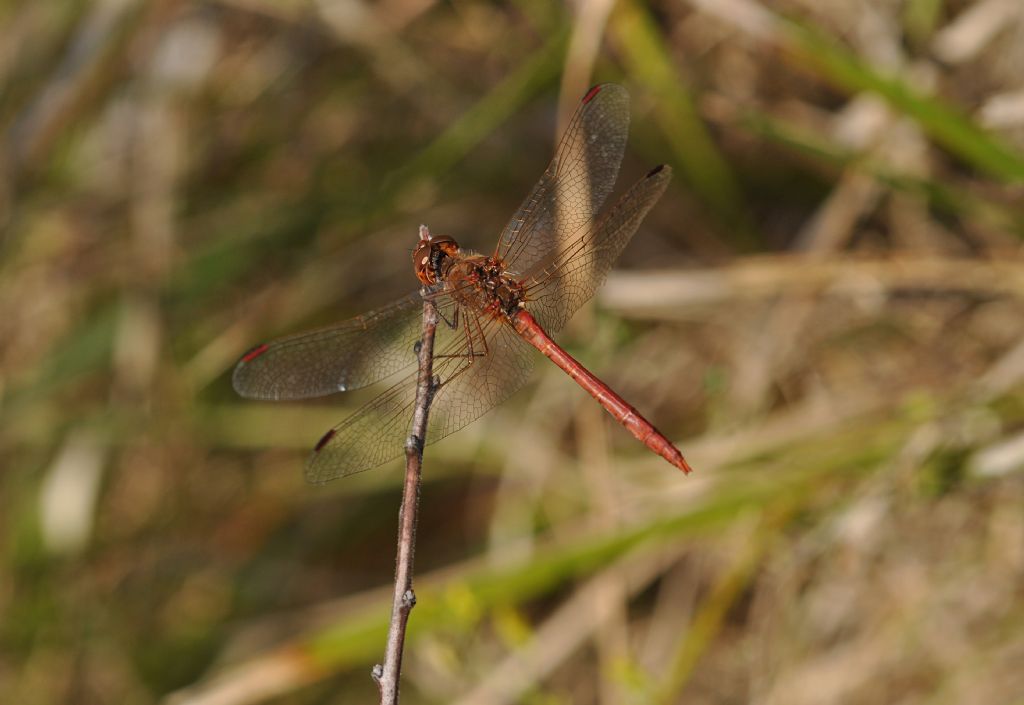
(550, 259)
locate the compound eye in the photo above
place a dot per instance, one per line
(421, 263)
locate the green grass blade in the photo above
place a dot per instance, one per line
(707, 172)
(943, 196)
(473, 126)
(943, 123)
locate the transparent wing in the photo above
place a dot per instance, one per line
(568, 277)
(473, 379)
(341, 357)
(575, 184)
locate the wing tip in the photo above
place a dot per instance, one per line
(254, 352)
(314, 477)
(592, 93)
(238, 377)
(315, 473)
(613, 88)
(658, 169)
(324, 440)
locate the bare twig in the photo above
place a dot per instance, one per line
(387, 676)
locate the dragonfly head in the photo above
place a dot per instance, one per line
(428, 259)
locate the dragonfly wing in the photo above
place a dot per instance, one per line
(372, 435)
(471, 385)
(337, 358)
(569, 277)
(481, 383)
(576, 183)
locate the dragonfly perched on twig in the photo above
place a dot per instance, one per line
(550, 259)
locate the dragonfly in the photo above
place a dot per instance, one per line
(496, 310)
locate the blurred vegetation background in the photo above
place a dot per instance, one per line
(825, 311)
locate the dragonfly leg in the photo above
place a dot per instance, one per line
(436, 296)
(454, 323)
(475, 340)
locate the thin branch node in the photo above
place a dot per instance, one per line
(413, 444)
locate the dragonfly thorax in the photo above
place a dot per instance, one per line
(478, 282)
(481, 283)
